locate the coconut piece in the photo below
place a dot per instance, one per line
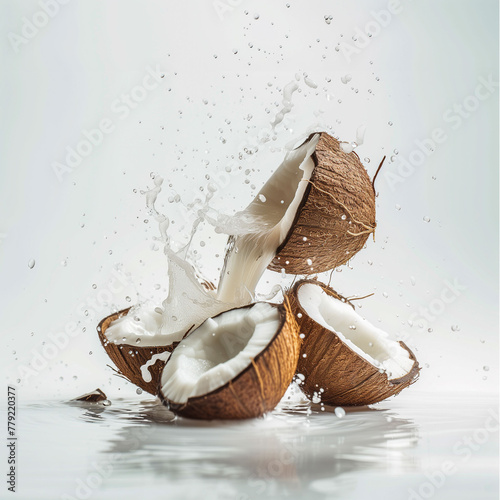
(236, 365)
(133, 362)
(314, 214)
(92, 397)
(345, 360)
(336, 214)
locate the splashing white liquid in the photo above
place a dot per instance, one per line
(146, 374)
(188, 302)
(257, 231)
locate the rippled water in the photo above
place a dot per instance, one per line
(136, 447)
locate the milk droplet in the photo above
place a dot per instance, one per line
(413, 280)
(310, 83)
(486, 368)
(309, 262)
(138, 390)
(340, 412)
(360, 134)
(262, 198)
(31, 263)
(346, 79)
(346, 147)
(398, 207)
(427, 219)
(455, 328)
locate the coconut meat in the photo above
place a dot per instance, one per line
(273, 210)
(370, 342)
(218, 350)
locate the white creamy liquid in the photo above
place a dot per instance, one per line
(255, 234)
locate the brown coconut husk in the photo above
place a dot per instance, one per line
(347, 379)
(336, 215)
(129, 365)
(257, 389)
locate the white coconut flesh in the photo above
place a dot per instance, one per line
(218, 350)
(370, 342)
(273, 210)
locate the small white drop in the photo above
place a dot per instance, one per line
(340, 412)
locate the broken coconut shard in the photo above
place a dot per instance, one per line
(236, 365)
(315, 213)
(345, 360)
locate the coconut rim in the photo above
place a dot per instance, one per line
(307, 191)
(283, 313)
(410, 375)
(111, 318)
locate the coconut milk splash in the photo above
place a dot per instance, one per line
(190, 300)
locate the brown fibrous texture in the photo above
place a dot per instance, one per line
(258, 388)
(336, 215)
(345, 378)
(129, 359)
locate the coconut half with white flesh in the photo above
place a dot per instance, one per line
(140, 365)
(345, 360)
(314, 214)
(236, 365)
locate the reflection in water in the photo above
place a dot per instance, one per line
(281, 455)
(132, 449)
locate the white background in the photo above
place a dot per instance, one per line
(68, 75)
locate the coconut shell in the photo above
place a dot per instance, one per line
(129, 365)
(346, 378)
(336, 215)
(258, 388)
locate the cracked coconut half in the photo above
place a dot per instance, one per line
(313, 214)
(235, 365)
(345, 360)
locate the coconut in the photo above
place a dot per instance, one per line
(313, 214)
(236, 365)
(133, 362)
(345, 360)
